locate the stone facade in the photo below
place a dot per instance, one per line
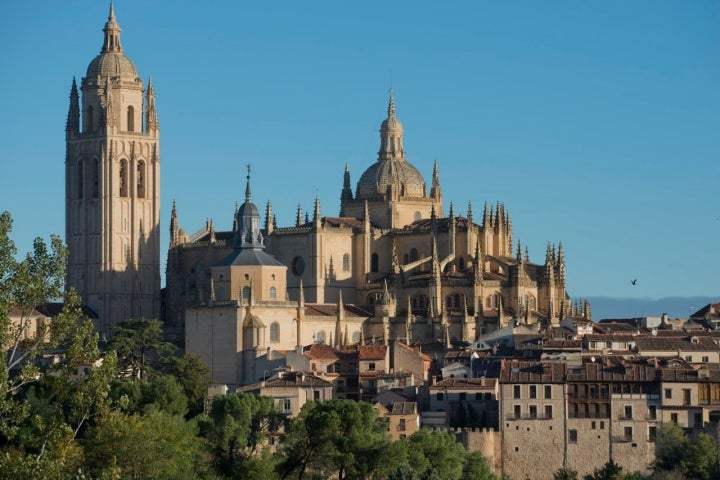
(112, 191)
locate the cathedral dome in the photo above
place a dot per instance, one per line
(404, 176)
(248, 209)
(112, 62)
(112, 65)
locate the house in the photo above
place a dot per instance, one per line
(467, 402)
(291, 390)
(404, 420)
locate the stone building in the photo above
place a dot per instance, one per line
(112, 187)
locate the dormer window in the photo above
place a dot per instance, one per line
(694, 340)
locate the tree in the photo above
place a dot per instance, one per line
(342, 438)
(138, 342)
(235, 429)
(477, 468)
(565, 473)
(701, 459)
(193, 375)
(158, 446)
(436, 453)
(671, 443)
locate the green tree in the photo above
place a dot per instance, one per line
(671, 443)
(235, 430)
(340, 438)
(157, 445)
(436, 453)
(193, 375)
(476, 467)
(701, 458)
(565, 473)
(139, 345)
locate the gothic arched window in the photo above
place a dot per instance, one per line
(346, 262)
(123, 178)
(130, 119)
(414, 255)
(141, 179)
(246, 293)
(374, 263)
(273, 293)
(275, 332)
(95, 178)
(88, 119)
(80, 178)
(320, 337)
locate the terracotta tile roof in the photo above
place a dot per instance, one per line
(466, 383)
(297, 379)
(373, 352)
(518, 371)
(692, 343)
(610, 337)
(404, 408)
(322, 352)
(709, 309)
(605, 372)
(49, 310)
(410, 349)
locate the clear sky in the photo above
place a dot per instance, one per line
(596, 123)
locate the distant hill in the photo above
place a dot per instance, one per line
(675, 307)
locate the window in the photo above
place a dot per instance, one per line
(652, 433)
(401, 425)
(439, 396)
(533, 411)
(697, 419)
(516, 391)
(688, 358)
(141, 179)
(356, 337)
(652, 412)
(316, 395)
(275, 332)
(602, 425)
(273, 293)
(95, 178)
(517, 411)
(285, 405)
(374, 263)
(123, 178)
(417, 216)
(548, 411)
(628, 433)
(705, 359)
(414, 255)
(572, 436)
(88, 119)
(533, 391)
(346, 262)
(548, 391)
(668, 393)
(686, 396)
(130, 119)
(592, 425)
(80, 178)
(478, 396)
(371, 366)
(320, 336)
(628, 411)
(246, 293)
(674, 418)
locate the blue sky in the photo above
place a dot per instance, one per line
(595, 123)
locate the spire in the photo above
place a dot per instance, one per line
(346, 195)
(367, 217)
(73, 119)
(316, 210)
(469, 212)
(408, 322)
(486, 215)
(151, 116)
(235, 219)
(248, 192)
(298, 216)
(268, 218)
(452, 212)
(518, 255)
(174, 230)
(391, 135)
(478, 263)
(435, 189)
(112, 34)
(527, 254)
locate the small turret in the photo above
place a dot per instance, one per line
(151, 116)
(346, 195)
(269, 217)
(298, 216)
(174, 228)
(72, 127)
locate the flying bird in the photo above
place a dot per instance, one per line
(634, 281)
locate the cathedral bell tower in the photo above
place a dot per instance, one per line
(112, 188)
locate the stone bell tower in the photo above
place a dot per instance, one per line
(112, 188)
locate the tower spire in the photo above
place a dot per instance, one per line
(73, 120)
(112, 34)
(391, 135)
(248, 193)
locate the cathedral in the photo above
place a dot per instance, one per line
(112, 188)
(392, 265)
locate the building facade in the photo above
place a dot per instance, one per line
(112, 191)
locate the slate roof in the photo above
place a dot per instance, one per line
(297, 379)
(249, 257)
(331, 310)
(466, 383)
(609, 372)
